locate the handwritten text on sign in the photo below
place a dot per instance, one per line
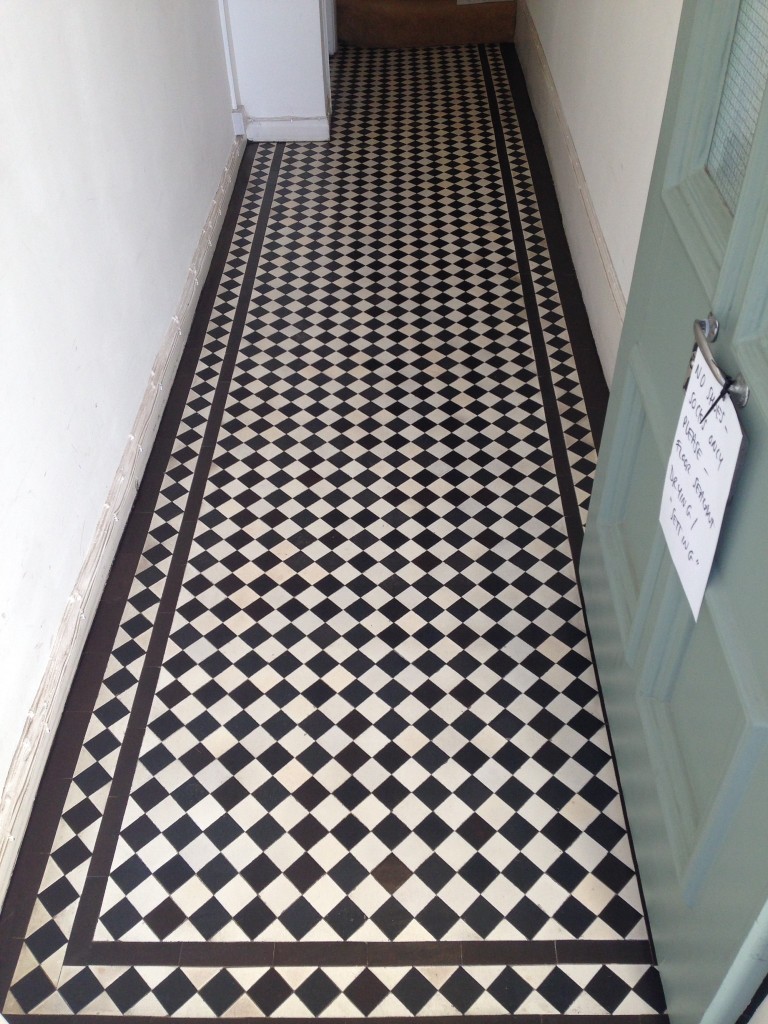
(698, 481)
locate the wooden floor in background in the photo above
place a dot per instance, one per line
(405, 23)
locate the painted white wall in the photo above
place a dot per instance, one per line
(608, 64)
(329, 13)
(115, 128)
(281, 59)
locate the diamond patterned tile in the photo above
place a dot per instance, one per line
(350, 705)
(571, 407)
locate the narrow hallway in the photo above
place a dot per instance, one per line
(335, 748)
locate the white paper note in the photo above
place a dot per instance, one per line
(698, 481)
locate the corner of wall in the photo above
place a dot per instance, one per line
(288, 129)
(603, 296)
(18, 793)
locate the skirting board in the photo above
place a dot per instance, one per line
(288, 129)
(603, 295)
(32, 752)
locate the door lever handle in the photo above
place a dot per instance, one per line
(705, 333)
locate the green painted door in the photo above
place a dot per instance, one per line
(687, 700)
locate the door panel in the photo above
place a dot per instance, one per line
(688, 701)
(705, 724)
(740, 101)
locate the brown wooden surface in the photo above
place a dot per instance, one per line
(398, 23)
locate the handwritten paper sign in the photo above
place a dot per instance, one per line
(699, 477)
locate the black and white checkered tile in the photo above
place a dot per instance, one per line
(571, 407)
(350, 706)
(343, 992)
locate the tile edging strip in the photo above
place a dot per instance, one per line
(357, 954)
(548, 397)
(89, 906)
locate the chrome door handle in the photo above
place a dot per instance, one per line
(704, 333)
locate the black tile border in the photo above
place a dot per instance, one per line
(86, 918)
(591, 377)
(70, 734)
(82, 949)
(474, 953)
(538, 344)
(590, 372)
(67, 745)
(502, 1018)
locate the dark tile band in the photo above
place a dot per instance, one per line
(334, 307)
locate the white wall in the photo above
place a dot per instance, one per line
(115, 129)
(281, 61)
(598, 72)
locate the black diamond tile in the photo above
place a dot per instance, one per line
(567, 872)
(254, 918)
(304, 872)
(81, 815)
(574, 916)
(264, 833)
(560, 990)
(210, 918)
(620, 915)
(221, 992)
(258, 874)
(561, 832)
(391, 873)
(462, 990)
(482, 916)
(605, 831)
(300, 918)
(476, 830)
(432, 830)
(352, 758)
(32, 989)
(414, 991)
(187, 796)
(649, 988)
(129, 989)
(348, 873)
(366, 992)
(391, 830)
(80, 990)
(391, 917)
(510, 989)
(608, 989)
(613, 872)
(165, 918)
(312, 793)
(174, 991)
(527, 918)
(479, 872)
(437, 917)
(140, 832)
(131, 873)
(174, 873)
(349, 832)
(71, 854)
(58, 896)
(120, 918)
(46, 941)
(346, 919)
(317, 992)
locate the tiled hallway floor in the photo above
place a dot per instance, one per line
(335, 748)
